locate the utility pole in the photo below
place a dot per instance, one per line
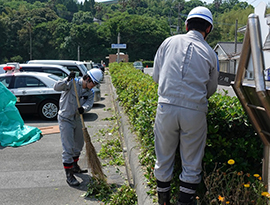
(30, 34)
(179, 30)
(28, 22)
(235, 43)
(78, 52)
(118, 49)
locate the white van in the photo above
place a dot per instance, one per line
(77, 66)
(58, 70)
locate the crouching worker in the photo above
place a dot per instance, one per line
(69, 118)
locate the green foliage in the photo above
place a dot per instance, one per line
(99, 189)
(143, 37)
(143, 25)
(230, 134)
(232, 187)
(124, 195)
(112, 150)
(110, 194)
(226, 22)
(148, 63)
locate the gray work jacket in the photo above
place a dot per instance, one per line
(68, 103)
(186, 69)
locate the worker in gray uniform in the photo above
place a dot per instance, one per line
(186, 70)
(69, 118)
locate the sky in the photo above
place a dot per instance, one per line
(254, 3)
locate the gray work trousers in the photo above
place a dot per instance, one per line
(179, 126)
(71, 137)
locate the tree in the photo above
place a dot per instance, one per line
(82, 17)
(142, 34)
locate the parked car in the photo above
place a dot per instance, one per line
(138, 65)
(34, 92)
(88, 65)
(15, 64)
(100, 66)
(77, 66)
(1, 68)
(58, 70)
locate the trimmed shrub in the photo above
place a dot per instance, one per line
(230, 133)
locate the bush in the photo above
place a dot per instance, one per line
(230, 133)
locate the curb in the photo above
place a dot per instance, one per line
(132, 147)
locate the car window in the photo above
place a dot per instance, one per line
(28, 81)
(75, 69)
(55, 77)
(83, 67)
(54, 71)
(6, 80)
(137, 63)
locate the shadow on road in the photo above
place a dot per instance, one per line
(98, 106)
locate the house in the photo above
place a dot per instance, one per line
(227, 51)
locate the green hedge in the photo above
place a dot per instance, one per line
(148, 63)
(230, 134)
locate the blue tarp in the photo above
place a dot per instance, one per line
(13, 132)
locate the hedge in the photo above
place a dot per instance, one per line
(230, 133)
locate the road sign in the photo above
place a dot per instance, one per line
(122, 46)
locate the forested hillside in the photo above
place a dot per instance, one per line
(56, 29)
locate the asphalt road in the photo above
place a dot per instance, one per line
(34, 174)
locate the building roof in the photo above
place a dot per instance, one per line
(228, 49)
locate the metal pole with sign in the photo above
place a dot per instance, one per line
(118, 46)
(118, 49)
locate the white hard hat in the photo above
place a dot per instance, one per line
(95, 75)
(201, 12)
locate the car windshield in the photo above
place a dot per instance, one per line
(82, 66)
(137, 63)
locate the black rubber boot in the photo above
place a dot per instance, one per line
(77, 169)
(187, 193)
(71, 180)
(191, 203)
(164, 198)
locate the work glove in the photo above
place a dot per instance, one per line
(71, 76)
(81, 110)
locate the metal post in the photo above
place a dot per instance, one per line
(266, 168)
(118, 50)
(30, 34)
(235, 43)
(78, 51)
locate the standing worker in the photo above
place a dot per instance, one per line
(69, 118)
(186, 69)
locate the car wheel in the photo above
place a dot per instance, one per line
(48, 110)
